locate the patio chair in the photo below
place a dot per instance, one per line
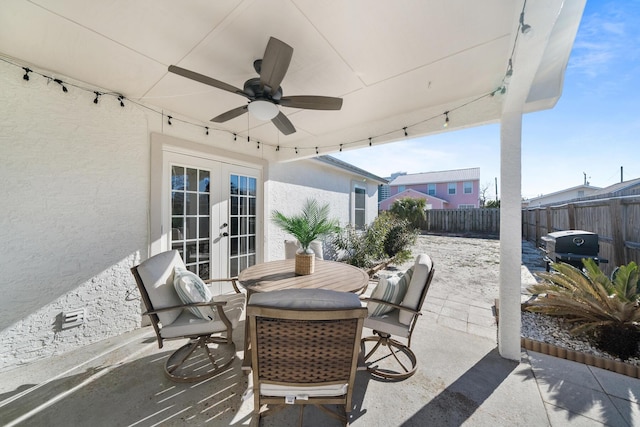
(304, 349)
(197, 321)
(394, 313)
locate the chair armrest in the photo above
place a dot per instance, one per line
(218, 304)
(400, 307)
(233, 280)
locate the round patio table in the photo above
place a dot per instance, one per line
(278, 275)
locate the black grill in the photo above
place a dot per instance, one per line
(571, 247)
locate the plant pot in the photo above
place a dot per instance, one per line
(305, 264)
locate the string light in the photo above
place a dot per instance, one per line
(169, 120)
(501, 89)
(61, 83)
(258, 145)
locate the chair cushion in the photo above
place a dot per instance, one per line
(189, 325)
(191, 289)
(421, 270)
(156, 274)
(319, 299)
(391, 289)
(388, 323)
(276, 390)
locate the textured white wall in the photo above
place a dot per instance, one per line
(290, 184)
(73, 217)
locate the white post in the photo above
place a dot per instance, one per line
(510, 235)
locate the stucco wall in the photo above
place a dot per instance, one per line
(73, 218)
(290, 184)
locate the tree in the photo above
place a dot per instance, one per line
(413, 210)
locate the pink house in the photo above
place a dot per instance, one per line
(452, 189)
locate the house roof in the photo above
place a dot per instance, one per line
(469, 174)
(330, 160)
(618, 187)
(398, 66)
(410, 192)
(566, 190)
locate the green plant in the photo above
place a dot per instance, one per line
(413, 210)
(607, 308)
(388, 237)
(311, 223)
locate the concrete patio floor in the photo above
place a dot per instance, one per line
(461, 380)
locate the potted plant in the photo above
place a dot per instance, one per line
(313, 222)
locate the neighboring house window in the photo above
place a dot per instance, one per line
(581, 193)
(401, 188)
(452, 188)
(466, 207)
(431, 189)
(468, 187)
(359, 207)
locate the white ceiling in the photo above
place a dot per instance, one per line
(395, 63)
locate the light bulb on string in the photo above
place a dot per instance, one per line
(26, 73)
(95, 100)
(446, 119)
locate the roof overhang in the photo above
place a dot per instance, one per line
(399, 66)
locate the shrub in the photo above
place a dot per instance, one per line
(607, 308)
(387, 237)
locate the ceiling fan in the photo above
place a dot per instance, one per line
(264, 92)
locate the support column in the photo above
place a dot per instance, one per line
(510, 235)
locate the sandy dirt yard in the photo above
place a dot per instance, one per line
(470, 267)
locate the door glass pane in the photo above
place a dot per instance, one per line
(191, 217)
(242, 217)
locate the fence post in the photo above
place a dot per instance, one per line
(615, 213)
(550, 227)
(571, 212)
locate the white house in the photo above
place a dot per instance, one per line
(561, 196)
(106, 157)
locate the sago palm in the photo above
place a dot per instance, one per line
(593, 302)
(311, 223)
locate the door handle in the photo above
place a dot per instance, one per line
(225, 225)
(225, 234)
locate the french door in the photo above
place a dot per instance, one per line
(212, 214)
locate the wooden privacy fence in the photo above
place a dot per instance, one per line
(615, 220)
(476, 221)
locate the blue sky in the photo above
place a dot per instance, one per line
(594, 128)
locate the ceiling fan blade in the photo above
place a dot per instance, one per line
(310, 102)
(206, 80)
(283, 124)
(231, 114)
(275, 63)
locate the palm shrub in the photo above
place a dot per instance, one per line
(388, 237)
(313, 222)
(412, 210)
(608, 308)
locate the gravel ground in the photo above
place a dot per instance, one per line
(473, 264)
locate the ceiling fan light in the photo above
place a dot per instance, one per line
(263, 110)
